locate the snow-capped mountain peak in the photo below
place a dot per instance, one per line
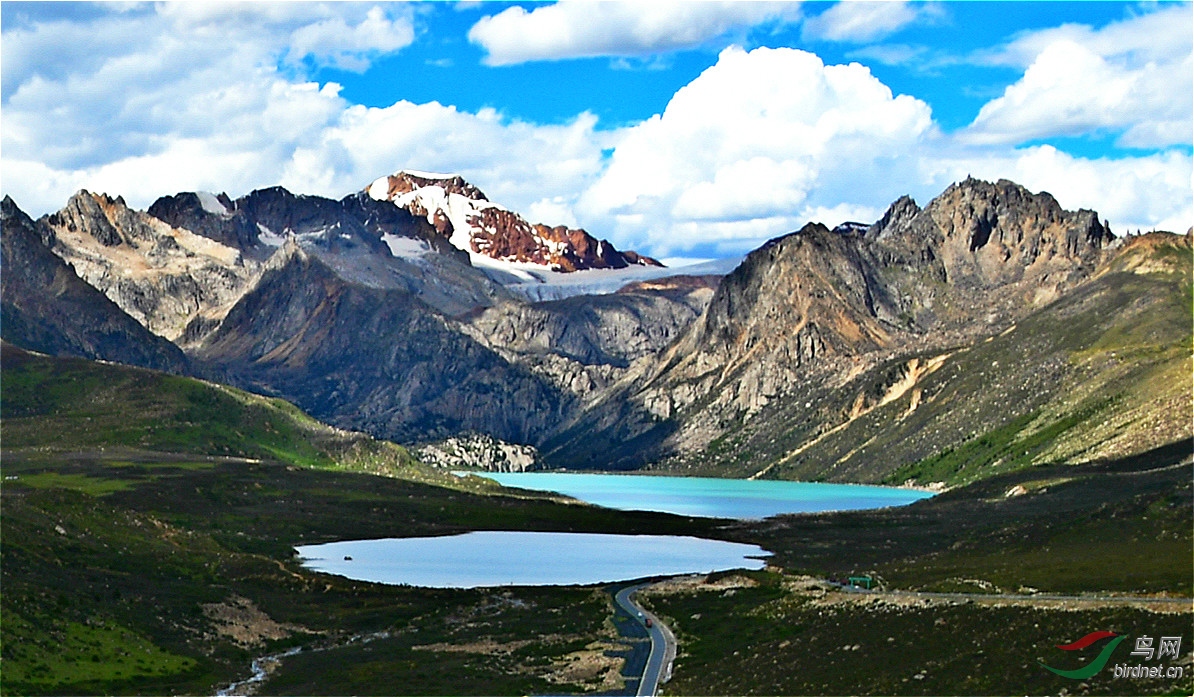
(492, 233)
(407, 181)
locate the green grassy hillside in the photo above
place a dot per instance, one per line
(148, 530)
(772, 637)
(1122, 526)
(59, 405)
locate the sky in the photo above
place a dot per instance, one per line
(679, 129)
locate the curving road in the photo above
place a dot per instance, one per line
(663, 643)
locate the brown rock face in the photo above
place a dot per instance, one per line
(506, 235)
(405, 182)
(800, 303)
(977, 237)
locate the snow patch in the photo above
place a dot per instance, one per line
(685, 261)
(460, 211)
(538, 283)
(426, 175)
(406, 247)
(379, 190)
(535, 281)
(509, 273)
(211, 203)
(269, 237)
(312, 235)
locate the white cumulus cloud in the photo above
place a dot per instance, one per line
(863, 20)
(176, 95)
(516, 164)
(755, 146)
(615, 28)
(1159, 35)
(1131, 78)
(190, 96)
(334, 42)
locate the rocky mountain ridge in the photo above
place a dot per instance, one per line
(821, 353)
(367, 241)
(46, 307)
(307, 254)
(164, 277)
(819, 328)
(978, 236)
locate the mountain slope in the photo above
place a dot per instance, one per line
(55, 404)
(970, 326)
(817, 356)
(982, 251)
(366, 241)
(376, 359)
(46, 307)
(1100, 373)
(165, 277)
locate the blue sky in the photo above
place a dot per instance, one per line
(450, 69)
(695, 129)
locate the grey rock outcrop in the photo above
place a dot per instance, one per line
(977, 237)
(584, 344)
(474, 451)
(46, 307)
(164, 277)
(614, 329)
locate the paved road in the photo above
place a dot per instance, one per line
(663, 643)
(1015, 598)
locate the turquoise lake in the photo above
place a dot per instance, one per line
(710, 498)
(487, 559)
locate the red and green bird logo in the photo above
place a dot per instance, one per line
(1094, 666)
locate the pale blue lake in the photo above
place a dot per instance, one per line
(710, 498)
(486, 559)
